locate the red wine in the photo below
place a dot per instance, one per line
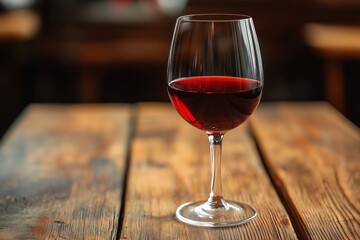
(215, 104)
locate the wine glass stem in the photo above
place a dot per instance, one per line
(215, 200)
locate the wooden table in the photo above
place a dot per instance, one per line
(119, 172)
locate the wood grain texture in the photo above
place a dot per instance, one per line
(313, 155)
(170, 165)
(62, 172)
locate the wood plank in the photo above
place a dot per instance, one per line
(62, 172)
(313, 155)
(170, 165)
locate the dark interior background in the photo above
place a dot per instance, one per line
(116, 50)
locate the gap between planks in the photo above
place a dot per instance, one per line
(296, 221)
(132, 125)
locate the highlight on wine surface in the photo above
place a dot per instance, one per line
(215, 82)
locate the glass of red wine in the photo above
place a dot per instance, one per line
(215, 82)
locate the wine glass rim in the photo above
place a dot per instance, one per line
(214, 17)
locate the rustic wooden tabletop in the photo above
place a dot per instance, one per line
(117, 171)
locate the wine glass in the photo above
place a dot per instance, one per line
(215, 82)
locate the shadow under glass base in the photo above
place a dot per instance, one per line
(202, 214)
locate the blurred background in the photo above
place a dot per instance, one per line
(77, 51)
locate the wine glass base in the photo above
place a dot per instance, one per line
(202, 215)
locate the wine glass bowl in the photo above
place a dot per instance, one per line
(215, 82)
